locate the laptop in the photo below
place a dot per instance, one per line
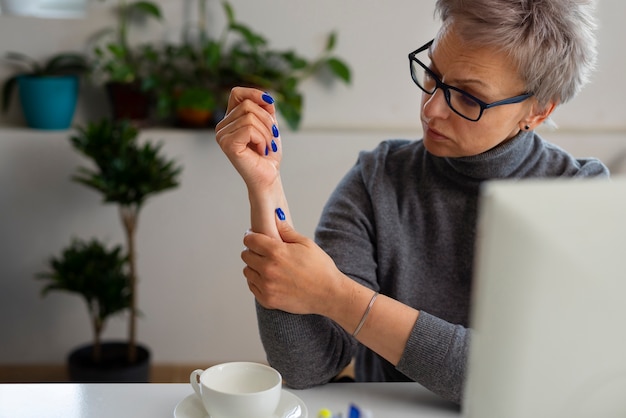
(549, 301)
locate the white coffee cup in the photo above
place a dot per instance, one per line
(238, 389)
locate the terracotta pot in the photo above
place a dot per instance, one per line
(195, 118)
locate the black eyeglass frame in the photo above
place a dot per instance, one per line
(446, 87)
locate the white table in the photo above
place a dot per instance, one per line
(67, 400)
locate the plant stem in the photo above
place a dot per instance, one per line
(96, 354)
(129, 215)
(123, 15)
(202, 21)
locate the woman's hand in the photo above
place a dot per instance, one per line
(249, 137)
(292, 273)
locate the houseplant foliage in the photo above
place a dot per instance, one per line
(117, 60)
(238, 56)
(96, 273)
(125, 173)
(250, 61)
(32, 78)
(185, 80)
(124, 68)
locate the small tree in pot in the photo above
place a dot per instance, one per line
(99, 275)
(126, 173)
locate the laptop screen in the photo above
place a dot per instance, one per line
(549, 301)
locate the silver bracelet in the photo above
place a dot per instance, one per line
(367, 312)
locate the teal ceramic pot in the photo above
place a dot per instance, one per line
(48, 102)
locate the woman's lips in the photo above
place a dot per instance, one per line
(436, 135)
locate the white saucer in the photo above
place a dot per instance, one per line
(290, 406)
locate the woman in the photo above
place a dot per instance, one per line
(389, 279)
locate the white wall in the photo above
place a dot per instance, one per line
(374, 37)
(194, 299)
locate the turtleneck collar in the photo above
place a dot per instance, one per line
(502, 161)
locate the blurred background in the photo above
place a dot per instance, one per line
(195, 306)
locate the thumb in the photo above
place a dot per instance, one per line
(285, 230)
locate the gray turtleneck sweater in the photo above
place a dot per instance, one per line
(402, 222)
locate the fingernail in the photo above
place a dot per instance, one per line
(274, 146)
(280, 214)
(267, 98)
(267, 150)
(275, 131)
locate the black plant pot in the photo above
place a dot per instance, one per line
(114, 366)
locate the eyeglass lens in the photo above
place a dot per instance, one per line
(458, 101)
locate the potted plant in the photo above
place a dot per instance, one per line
(123, 68)
(100, 276)
(125, 173)
(250, 61)
(47, 90)
(185, 83)
(195, 107)
(208, 68)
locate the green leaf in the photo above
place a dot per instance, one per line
(212, 54)
(7, 92)
(91, 270)
(290, 107)
(127, 173)
(230, 13)
(67, 63)
(295, 61)
(145, 8)
(30, 65)
(253, 39)
(340, 69)
(331, 42)
(196, 98)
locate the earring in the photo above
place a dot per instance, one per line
(526, 127)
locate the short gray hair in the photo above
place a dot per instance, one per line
(552, 42)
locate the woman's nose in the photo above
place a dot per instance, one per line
(435, 105)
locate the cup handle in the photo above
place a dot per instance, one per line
(194, 379)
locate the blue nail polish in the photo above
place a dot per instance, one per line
(267, 150)
(275, 131)
(267, 98)
(280, 214)
(274, 146)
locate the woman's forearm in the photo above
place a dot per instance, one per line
(387, 325)
(263, 206)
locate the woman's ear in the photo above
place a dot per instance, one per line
(538, 115)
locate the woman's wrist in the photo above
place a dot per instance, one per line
(263, 205)
(347, 304)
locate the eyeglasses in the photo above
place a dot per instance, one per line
(461, 102)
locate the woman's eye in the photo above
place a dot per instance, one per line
(467, 101)
(464, 101)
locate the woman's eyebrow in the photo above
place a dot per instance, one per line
(461, 82)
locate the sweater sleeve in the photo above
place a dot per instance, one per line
(436, 356)
(308, 350)
(350, 231)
